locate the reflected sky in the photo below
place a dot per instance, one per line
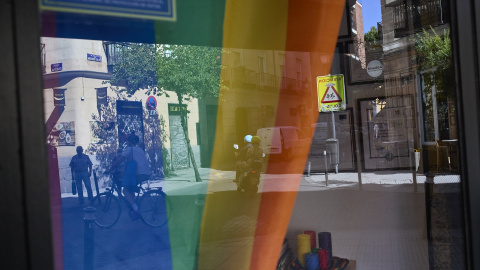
(371, 13)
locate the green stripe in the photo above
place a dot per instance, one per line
(198, 23)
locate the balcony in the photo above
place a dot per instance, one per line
(413, 16)
(240, 77)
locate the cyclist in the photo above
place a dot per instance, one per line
(118, 168)
(143, 172)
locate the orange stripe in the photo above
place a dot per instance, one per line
(312, 27)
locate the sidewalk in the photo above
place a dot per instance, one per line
(360, 224)
(186, 178)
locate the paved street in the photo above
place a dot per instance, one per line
(381, 226)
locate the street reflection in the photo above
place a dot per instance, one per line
(353, 136)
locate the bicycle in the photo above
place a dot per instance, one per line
(152, 204)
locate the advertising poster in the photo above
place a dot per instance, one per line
(63, 134)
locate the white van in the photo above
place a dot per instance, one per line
(286, 140)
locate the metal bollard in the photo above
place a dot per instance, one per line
(199, 204)
(326, 167)
(309, 167)
(88, 244)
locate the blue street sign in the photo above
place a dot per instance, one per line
(94, 57)
(56, 67)
(144, 9)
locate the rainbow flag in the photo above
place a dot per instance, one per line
(222, 230)
(247, 233)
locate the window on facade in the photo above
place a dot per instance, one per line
(112, 50)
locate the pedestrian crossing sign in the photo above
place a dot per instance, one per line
(331, 93)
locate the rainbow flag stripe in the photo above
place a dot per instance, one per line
(220, 230)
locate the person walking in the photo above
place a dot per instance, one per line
(81, 168)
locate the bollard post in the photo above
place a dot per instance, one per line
(95, 180)
(309, 167)
(326, 167)
(429, 182)
(88, 241)
(199, 204)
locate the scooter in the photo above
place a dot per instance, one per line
(250, 178)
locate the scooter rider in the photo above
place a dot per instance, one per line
(254, 152)
(242, 157)
(253, 163)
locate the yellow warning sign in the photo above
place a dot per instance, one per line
(331, 93)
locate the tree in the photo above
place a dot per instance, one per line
(189, 71)
(372, 35)
(104, 144)
(434, 58)
(136, 68)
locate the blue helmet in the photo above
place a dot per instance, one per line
(248, 138)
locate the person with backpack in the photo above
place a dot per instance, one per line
(134, 154)
(118, 168)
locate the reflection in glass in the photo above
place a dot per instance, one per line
(379, 178)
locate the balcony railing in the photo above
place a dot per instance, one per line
(412, 17)
(241, 77)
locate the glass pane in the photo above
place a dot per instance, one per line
(248, 135)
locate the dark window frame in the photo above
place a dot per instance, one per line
(26, 226)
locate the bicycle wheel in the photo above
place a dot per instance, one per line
(153, 208)
(107, 211)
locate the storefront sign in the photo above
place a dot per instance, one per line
(145, 9)
(331, 93)
(101, 96)
(175, 108)
(59, 97)
(94, 57)
(375, 68)
(56, 67)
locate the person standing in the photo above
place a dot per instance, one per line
(81, 168)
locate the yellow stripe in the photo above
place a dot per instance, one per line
(248, 24)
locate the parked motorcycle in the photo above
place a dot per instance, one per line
(250, 178)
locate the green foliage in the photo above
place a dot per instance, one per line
(103, 151)
(190, 71)
(434, 58)
(372, 35)
(136, 69)
(167, 169)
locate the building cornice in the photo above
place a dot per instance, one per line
(59, 79)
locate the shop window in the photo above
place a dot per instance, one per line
(435, 114)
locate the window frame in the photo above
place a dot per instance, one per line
(25, 183)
